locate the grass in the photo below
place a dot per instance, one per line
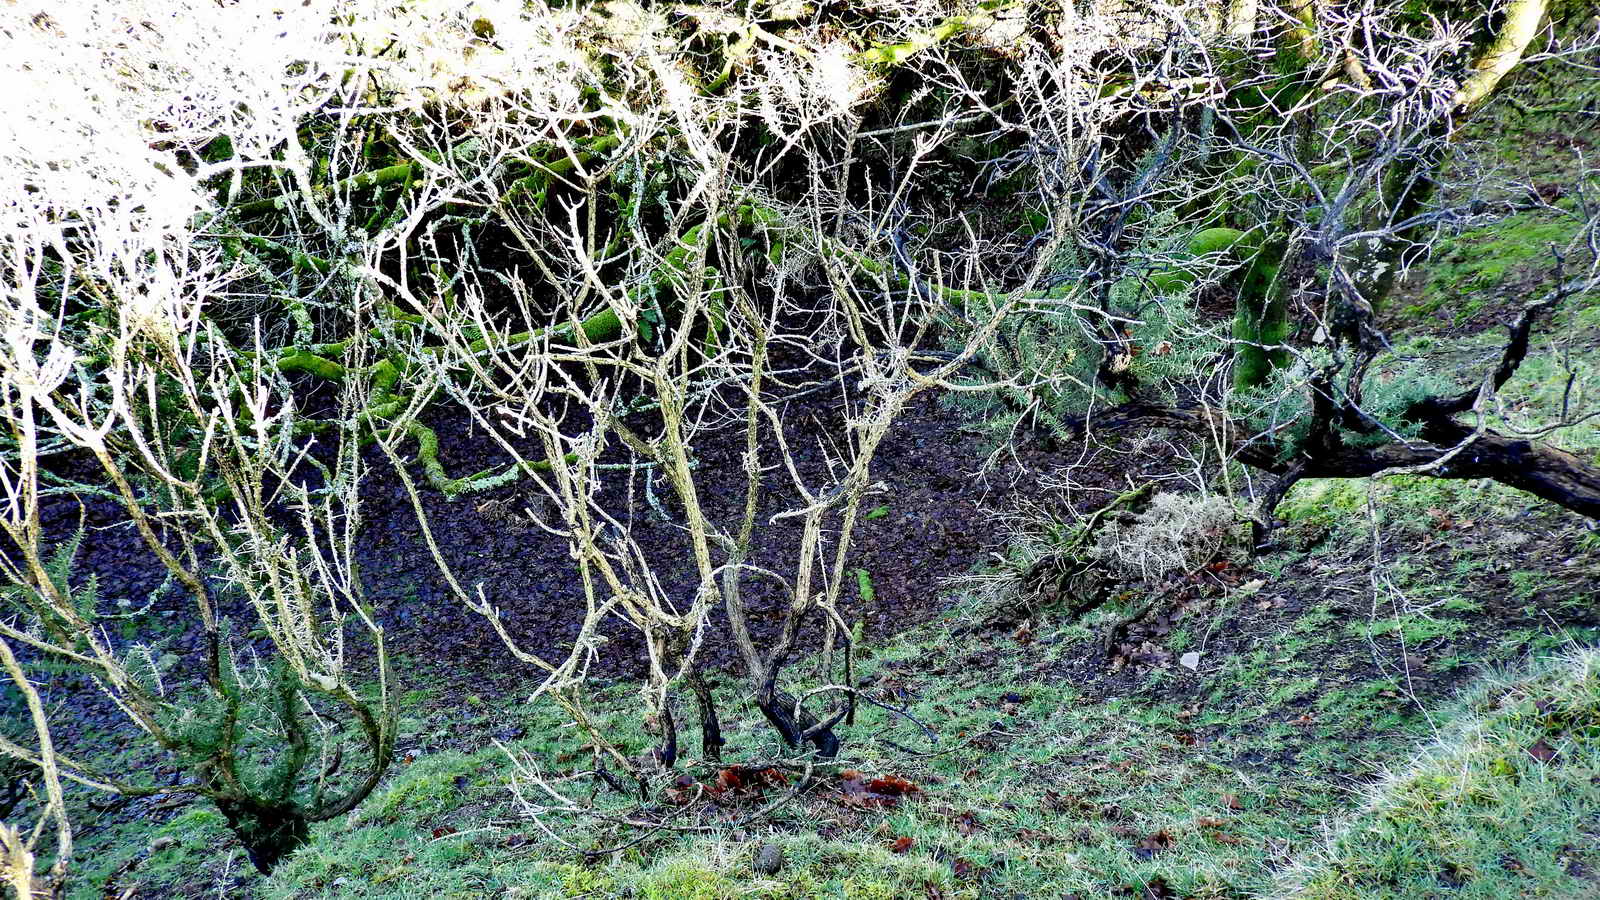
(1506, 800)
(164, 853)
(1215, 783)
(1325, 668)
(1474, 264)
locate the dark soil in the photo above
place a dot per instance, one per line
(928, 521)
(931, 524)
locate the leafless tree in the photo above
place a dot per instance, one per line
(19, 845)
(1303, 146)
(759, 289)
(112, 351)
(613, 233)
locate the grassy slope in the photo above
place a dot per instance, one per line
(1210, 783)
(1503, 804)
(1161, 782)
(1318, 750)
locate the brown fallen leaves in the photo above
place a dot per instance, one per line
(1151, 844)
(731, 785)
(685, 790)
(734, 781)
(1443, 521)
(1146, 653)
(1212, 826)
(883, 792)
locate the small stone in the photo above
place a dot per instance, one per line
(1190, 660)
(163, 843)
(769, 859)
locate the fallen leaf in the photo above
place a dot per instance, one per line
(1210, 822)
(884, 792)
(901, 844)
(1152, 654)
(892, 785)
(967, 823)
(1231, 801)
(443, 831)
(1542, 752)
(736, 783)
(1151, 844)
(684, 789)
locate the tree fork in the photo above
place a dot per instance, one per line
(796, 724)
